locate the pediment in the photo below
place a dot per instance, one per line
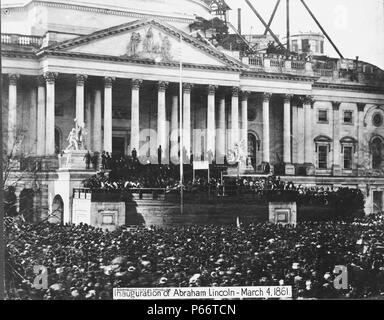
(147, 40)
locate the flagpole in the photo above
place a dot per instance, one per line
(181, 130)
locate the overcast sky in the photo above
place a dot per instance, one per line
(355, 26)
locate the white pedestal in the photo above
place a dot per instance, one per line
(73, 159)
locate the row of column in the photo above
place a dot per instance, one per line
(215, 136)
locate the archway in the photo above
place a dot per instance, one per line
(57, 214)
(26, 208)
(253, 147)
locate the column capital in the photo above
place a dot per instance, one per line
(50, 77)
(288, 98)
(187, 87)
(162, 86)
(235, 91)
(136, 84)
(40, 81)
(267, 96)
(336, 105)
(80, 79)
(308, 100)
(361, 107)
(108, 82)
(245, 95)
(13, 79)
(211, 89)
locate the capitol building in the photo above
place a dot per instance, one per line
(120, 69)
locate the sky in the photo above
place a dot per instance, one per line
(355, 26)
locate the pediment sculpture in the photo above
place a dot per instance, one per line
(147, 45)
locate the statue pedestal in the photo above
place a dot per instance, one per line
(74, 160)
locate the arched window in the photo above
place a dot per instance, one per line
(57, 214)
(377, 152)
(253, 147)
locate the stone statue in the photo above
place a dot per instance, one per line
(237, 154)
(76, 137)
(148, 44)
(72, 139)
(166, 49)
(133, 45)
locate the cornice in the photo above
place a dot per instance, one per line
(57, 53)
(137, 24)
(80, 7)
(346, 87)
(277, 76)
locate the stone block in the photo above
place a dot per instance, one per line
(289, 169)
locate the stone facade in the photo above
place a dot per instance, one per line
(316, 124)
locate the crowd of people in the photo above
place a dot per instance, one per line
(269, 188)
(86, 263)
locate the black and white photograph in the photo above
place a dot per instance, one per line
(214, 151)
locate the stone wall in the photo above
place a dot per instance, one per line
(167, 213)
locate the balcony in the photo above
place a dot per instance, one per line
(21, 40)
(324, 68)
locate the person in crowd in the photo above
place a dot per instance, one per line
(134, 154)
(95, 160)
(104, 160)
(88, 159)
(86, 263)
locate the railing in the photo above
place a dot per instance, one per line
(318, 68)
(23, 40)
(299, 65)
(256, 62)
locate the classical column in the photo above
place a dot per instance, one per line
(244, 120)
(266, 100)
(211, 130)
(187, 122)
(220, 136)
(235, 117)
(361, 165)
(97, 136)
(88, 122)
(41, 124)
(336, 139)
(33, 122)
(162, 139)
(287, 129)
(174, 152)
(50, 79)
(294, 141)
(12, 112)
(107, 146)
(135, 119)
(80, 80)
(287, 156)
(308, 141)
(300, 138)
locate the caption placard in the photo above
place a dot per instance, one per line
(271, 292)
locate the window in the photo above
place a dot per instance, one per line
(376, 149)
(323, 116)
(377, 119)
(295, 46)
(323, 157)
(321, 47)
(348, 157)
(348, 115)
(305, 47)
